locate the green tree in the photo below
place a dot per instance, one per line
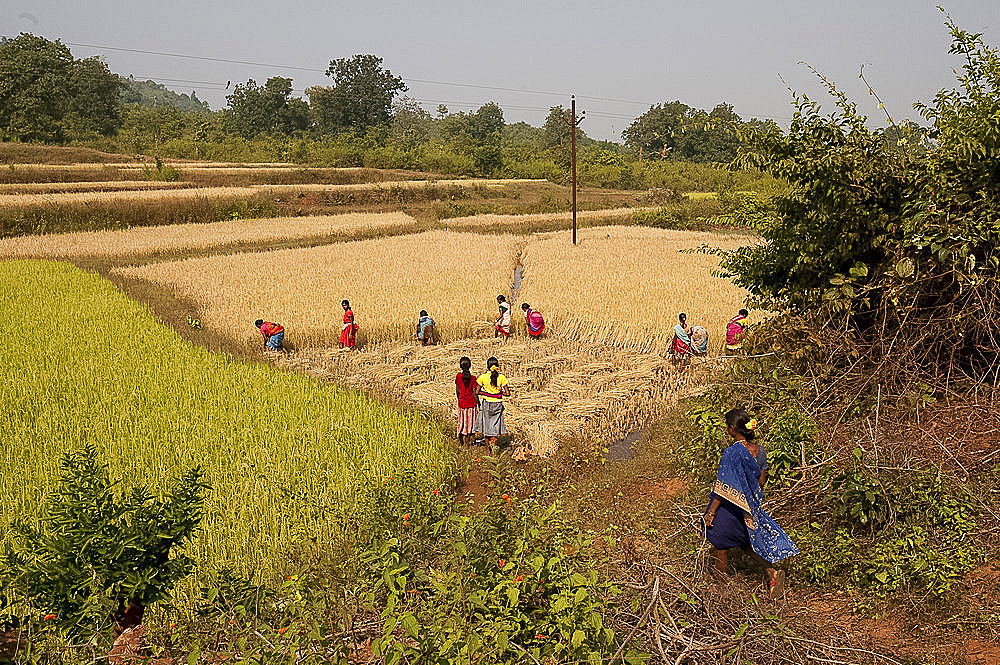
(46, 94)
(151, 93)
(478, 134)
(411, 125)
(255, 109)
(146, 127)
(361, 95)
(657, 128)
(710, 137)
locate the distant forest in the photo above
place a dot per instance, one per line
(151, 93)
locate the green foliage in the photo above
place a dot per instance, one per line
(162, 172)
(257, 109)
(48, 96)
(887, 241)
(676, 131)
(685, 215)
(786, 431)
(360, 97)
(98, 554)
(745, 209)
(152, 94)
(505, 583)
(895, 531)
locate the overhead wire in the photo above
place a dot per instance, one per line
(478, 86)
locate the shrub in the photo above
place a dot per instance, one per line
(98, 557)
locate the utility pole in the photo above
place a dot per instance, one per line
(573, 123)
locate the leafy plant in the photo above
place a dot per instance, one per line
(505, 584)
(99, 557)
(162, 172)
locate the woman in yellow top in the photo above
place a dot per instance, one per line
(492, 388)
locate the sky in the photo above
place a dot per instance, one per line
(618, 58)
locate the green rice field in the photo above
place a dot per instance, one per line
(288, 458)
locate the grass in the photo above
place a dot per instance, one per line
(288, 458)
(454, 276)
(125, 213)
(26, 153)
(164, 240)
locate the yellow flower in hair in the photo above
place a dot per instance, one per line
(752, 425)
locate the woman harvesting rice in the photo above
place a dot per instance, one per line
(681, 345)
(492, 389)
(533, 319)
(734, 517)
(503, 321)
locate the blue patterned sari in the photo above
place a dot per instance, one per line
(740, 521)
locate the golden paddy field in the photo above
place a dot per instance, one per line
(602, 369)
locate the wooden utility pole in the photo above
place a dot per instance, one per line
(573, 122)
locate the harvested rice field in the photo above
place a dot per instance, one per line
(601, 371)
(621, 286)
(519, 223)
(155, 241)
(69, 198)
(560, 389)
(453, 275)
(88, 186)
(629, 283)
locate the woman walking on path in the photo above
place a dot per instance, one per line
(466, 387)
(503, 321)
(734, 517)
(349, 331)
(492, 389)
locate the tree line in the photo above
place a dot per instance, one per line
(362, 117)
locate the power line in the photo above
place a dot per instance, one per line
(476, 86)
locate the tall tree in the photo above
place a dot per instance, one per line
(710, 137)
(478, 134)
(44, 92)
(255, 109)
(411, 124)
(658, 128)
(361, 95)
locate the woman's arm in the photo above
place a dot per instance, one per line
(709, 516)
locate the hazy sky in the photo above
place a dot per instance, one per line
(617, 57)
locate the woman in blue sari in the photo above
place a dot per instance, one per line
(734, 517)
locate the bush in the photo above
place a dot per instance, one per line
(161, 173)
(99, 558)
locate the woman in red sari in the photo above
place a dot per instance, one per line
(349, 331)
